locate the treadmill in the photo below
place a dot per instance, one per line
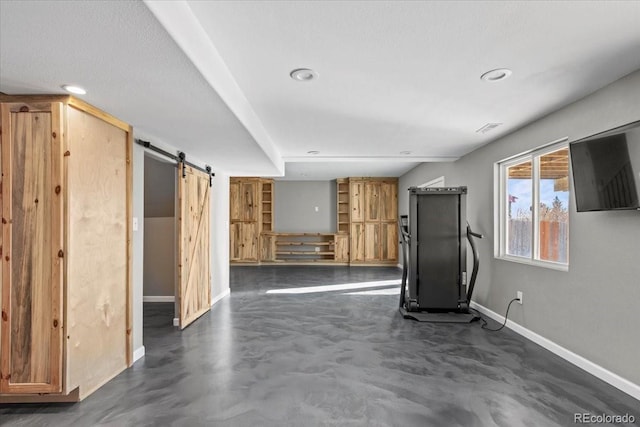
(434, 245)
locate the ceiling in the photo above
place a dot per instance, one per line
(212, 77)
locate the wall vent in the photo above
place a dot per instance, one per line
(488, 127)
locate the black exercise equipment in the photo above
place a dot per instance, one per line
(434, 275)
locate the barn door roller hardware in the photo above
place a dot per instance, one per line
(181, 159)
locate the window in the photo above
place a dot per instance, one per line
(533, 207)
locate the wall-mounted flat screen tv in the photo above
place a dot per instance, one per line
(606, 169)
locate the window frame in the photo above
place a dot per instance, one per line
(500, 208)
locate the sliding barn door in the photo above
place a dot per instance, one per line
(32, 249)
(194, 277)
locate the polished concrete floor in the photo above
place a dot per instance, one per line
(332, 358)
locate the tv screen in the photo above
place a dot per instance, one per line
(606, 170)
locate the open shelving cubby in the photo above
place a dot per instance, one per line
(304, 247)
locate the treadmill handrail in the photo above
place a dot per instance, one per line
(476, 261)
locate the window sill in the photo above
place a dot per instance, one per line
(537, 263)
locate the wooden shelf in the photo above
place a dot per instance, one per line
(300, 247)
(302, 253)
(287, 243)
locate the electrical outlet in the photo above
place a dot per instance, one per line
(519, 296)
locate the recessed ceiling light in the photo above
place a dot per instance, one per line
(313, 152)
(405, 153)
(77, 90)
(496, 75)
(303, 74)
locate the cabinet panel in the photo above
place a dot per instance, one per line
(243, 241)
(389, 243)
(356, 251)
(372, 201)
(235, 241)
(249, 201)
(32, 241)
(235, 201)
(342, 248)
(357, 201)
(268, 247)
(96, 326)
(388, 201)
(372, 241)
(249, 241)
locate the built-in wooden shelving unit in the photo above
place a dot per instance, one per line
(343, 205)
(267, 205)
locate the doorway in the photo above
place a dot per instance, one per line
(160, 244)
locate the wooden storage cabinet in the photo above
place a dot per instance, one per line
(251, 202)
(66, 246)
(373, 215)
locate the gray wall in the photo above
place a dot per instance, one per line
(159, 188)
(592, 309)
(296, 202)
(160, 256)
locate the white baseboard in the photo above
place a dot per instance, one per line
(176, 321)
(220, 296)
(598, 371)
(399, 266)
(158, 298)
(138, 353)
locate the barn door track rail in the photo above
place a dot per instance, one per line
(180, 158)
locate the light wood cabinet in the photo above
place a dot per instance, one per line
(65, 283)
(251, 202)
(373, 208)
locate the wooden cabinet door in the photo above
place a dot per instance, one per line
(248, 241)
(372, 201)
(389, 201)
(32, 248)
(194, 237)
(372, 241)
(235, 201)
(389, 242)
(357, 200)
(356, 251)
(235, 241)
(268, 247)
(243, 241)
(249, 200)
(342, 248)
